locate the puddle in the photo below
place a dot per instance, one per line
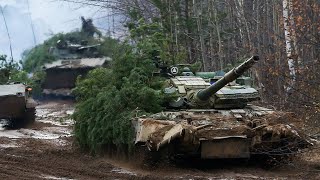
(57, 118)
(14, 155)
(42, 112)
(59, 130)
(4, 146)
(123, 171)
(12, 134)
(48, 133)
(54, 178)
(45, 113)
(70, 112)
(39, 134)
(56, 122)
(59, 142)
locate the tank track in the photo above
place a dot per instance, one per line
(29, 118)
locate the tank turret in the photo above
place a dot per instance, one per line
(232, 96)
(66, 50)
(232, 75)
(196, 92)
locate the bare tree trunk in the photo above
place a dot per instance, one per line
(277, 57)
(201, 39)
(211, 35)
(238, 15)
(189, 41)
(219, 38)
(176, 31)
(289, 47)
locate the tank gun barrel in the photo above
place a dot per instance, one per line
(232, 75)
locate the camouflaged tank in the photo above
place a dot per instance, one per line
(212, 118)
(16, 105)
(72, 61)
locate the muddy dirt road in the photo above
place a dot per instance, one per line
(45, 150)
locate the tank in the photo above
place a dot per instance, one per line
(73, 60)
(16, 105)
(214, 118)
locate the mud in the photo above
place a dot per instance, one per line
(46, 150)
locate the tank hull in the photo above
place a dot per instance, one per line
(63, 78)
(219, 134)
(61, 75)
(16, 107)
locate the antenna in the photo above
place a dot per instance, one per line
(113, 28)
(5, 23)
(32, 28)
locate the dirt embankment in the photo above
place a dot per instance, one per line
(45, 150)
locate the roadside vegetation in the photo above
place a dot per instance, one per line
(109, 98)
(10, 71)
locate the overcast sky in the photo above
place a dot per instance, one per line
(47, 16)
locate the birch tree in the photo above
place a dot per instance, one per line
(287, 16)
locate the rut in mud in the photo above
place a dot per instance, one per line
(45, 150)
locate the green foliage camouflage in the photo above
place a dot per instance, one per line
(35, 58)
(107, 99)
